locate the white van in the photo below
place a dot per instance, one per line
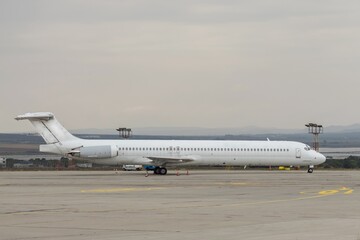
(2, 162)
(132, 167)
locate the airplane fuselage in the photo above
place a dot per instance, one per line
(195, 152)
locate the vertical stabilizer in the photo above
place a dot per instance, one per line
(48, 127)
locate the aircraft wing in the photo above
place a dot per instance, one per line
(162, 161)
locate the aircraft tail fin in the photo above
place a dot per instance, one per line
(48, 127)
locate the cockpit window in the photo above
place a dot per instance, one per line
(307, 148)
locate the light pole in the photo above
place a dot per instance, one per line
(124, 132)
(315, 130)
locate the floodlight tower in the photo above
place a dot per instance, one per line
(315, 130)
(124, 132)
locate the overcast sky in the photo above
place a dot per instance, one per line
(142, 63)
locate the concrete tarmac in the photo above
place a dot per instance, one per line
(221, 204)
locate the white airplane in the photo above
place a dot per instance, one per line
(163, 153)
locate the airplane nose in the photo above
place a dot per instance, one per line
(321, 158)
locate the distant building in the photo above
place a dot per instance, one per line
(23, 165)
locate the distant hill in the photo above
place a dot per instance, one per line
(333, 136)
(192, 131)
(198, 131)
(344, 139)
(343, 129)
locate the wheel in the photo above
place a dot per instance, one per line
(157, 170)
(310, 170)
(163, 171)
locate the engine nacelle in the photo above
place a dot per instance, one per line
(95, 152)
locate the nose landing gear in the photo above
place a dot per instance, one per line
(310, 169)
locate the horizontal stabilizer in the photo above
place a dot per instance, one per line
(48, 127)
(40, 116)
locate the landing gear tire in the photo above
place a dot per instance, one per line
(160, 171)
(310, 170)
(163, 171)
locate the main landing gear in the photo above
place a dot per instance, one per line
(310, 169)
(160, 171)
